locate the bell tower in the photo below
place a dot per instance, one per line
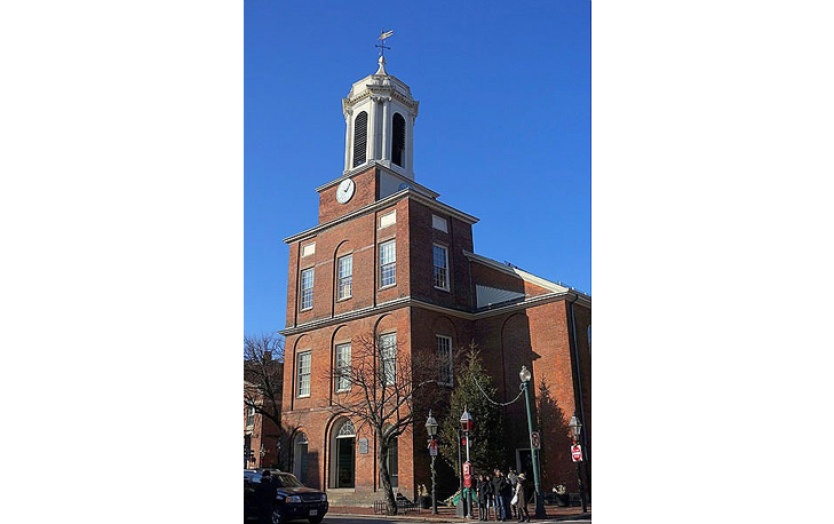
(379, 116)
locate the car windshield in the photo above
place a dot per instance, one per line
(285, 480)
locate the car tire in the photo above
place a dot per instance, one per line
(277, 517)
(316, 520)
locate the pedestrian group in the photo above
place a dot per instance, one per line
(503, 497)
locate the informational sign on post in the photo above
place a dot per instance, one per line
(433, 448)
(576, 452)
(536, 439)
(467, 475)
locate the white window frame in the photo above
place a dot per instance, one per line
(444, 271)
(343, 367)
(344, 282)
(388, 358)
(445, 361)
(304, 373)
(250, 417)
(306, 292)
(388, 265)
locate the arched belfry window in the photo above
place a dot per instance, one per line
(398, 140)
(360, 139)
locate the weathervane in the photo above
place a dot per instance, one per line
(381, 45)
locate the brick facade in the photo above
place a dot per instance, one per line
(536, 330)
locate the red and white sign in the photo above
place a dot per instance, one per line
(467, 475)
(433, 448)
(576, 452)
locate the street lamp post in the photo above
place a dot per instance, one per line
(431, 429)
(525, 377)
(466, 425)
(576, 427)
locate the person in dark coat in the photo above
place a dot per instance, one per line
(482, 498)
(265, 493)
(490, 493)
(522, 493)
(497, 482)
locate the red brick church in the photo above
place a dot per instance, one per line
(389, 260)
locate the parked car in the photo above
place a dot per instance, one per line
(293, 501)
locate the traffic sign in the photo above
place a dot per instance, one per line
(576, 452)
(536, 439)
(433, 448)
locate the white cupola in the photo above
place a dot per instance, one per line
(379, 116)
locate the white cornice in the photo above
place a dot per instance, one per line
(411, 302)
(387, 201)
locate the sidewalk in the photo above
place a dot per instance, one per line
(446, 514)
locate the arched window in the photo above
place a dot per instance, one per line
(398, 141)
(360, 139)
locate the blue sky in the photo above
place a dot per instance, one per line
(503, 133)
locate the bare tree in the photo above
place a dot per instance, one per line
(263, 375)
(379, 388)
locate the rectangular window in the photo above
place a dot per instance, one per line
(445, 372)
(345, 284)
(388, 219)
(439, 223)
(250, 417)
(304, 361)
(441, 267)
(388, 356)
(388, 263)
(307, 289)
(343, 367)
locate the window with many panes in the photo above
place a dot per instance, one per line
(445, 364)
(441, 267)
(307, 288)
(388, 356)
(388, 263)
(345, 284)
(343, 367)
(304, 368)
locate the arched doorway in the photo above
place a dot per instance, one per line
(342, 460)
(299, 453)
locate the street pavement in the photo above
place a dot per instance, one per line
(448, 514)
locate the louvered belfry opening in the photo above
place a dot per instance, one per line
(398, 140)
(360, 139)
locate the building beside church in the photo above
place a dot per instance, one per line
(388, 260)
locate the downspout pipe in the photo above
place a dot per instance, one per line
(578, 397)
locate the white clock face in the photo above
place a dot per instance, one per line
(345, 191)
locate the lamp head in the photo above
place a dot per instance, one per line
(525, 374)
(431, 425)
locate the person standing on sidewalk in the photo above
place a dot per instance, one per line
(490, 494)
(482, 498)
(521, 499)
(513, 479)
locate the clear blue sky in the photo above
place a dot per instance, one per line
(503, 133)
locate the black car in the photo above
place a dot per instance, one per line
(293, 501)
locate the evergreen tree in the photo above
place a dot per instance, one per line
(487, 449)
